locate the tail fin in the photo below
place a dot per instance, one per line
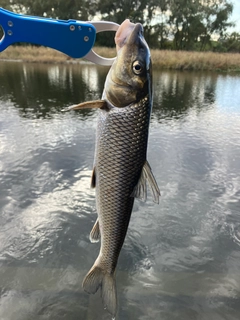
(96, 278)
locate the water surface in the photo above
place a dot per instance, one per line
(181, 258)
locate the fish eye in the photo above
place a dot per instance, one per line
(137, 67)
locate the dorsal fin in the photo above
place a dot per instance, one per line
(140, 190)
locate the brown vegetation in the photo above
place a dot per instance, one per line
(189, 60)
(162, 59)
(33, 54)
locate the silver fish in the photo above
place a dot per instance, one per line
(121, 170)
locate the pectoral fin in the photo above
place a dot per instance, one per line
(140, 191)
(98, 104)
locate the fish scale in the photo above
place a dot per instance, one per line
(130, 125)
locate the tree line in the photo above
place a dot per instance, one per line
(168, 24)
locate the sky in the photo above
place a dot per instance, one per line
(236, 15)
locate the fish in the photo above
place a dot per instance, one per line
(121, 170)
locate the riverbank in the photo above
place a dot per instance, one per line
(162, 59)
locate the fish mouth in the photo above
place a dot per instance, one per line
(128, 32)
(136, 33)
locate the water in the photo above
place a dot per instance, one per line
(181, 258)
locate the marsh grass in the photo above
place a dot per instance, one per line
(162, 59)
(33, 54)
(189, 60)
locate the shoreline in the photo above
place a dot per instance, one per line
(161, 59)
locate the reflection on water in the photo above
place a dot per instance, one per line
(180, 260)
(176, 93)
(36, 90)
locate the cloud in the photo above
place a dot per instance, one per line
(236, 14)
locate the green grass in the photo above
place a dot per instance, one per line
(162, 59)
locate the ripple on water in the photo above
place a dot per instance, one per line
(180, 259)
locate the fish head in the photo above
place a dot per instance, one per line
(129, 79)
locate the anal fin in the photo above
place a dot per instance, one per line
(95, 232)
(140, 190)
